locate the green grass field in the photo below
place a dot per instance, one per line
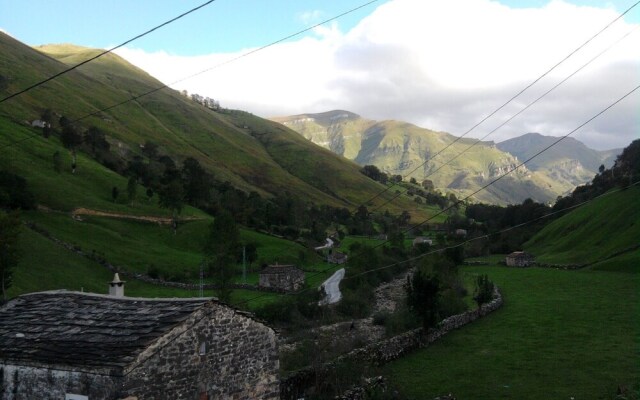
(593, 232)
(47, 266)
(559, 335)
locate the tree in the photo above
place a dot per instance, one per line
(195, 181)
(483, 291)
(57, 162)
(372, 172)
(14, 192)
(71, 139)
(171, 196)
(9, 254)
(132, 188)
(220, 250)
(423, 297)
(96, 139)
(47, 118)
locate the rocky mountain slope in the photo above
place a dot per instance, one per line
(401, 148)
(570, 161)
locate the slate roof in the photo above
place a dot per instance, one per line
(86, 330)
(280, 269)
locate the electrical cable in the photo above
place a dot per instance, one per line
(486, 236)
(512, 98)
(534, 102)
(501, 176)
(35, 85)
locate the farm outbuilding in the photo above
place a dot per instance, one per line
(520, 259)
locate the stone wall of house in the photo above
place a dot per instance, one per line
(31, 382)
(217, 353)
(295, 385)
(285, 281)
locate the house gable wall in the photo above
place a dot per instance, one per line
(240, 360)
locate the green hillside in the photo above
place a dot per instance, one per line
(398, 148)
(250, 153)
(594, 233)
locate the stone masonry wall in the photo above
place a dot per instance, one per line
(29, 383)
(294, 386)
(240, 360)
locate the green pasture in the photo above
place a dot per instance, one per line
(560, 335)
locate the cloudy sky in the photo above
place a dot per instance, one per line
(443, 65)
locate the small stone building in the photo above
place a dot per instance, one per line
(520, 259)
(422, 240)
(285, 278)
(337, 257)
(70, 345)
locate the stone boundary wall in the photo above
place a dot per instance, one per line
(136, 275)
(294, 386)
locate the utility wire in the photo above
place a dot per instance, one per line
(164, 86)
(511, 99)
(492, 182)
(35, 85)
(527, 160)
(533, 102)
(486, 236)
(527, 107)
(493, 233)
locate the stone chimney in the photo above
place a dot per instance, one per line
(116, 287)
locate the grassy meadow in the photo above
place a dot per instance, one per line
(559, 335)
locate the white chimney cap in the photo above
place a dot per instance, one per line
(116, 278)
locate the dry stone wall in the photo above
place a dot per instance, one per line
(295, 385)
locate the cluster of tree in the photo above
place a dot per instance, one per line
(491, 218)
(14, 196)
(625, 171)
(435, 290)
(424, 193)
(374, 173)
(202, 100)
(14, 193)
(92, 140)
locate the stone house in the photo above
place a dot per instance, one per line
(519, 259)
(461, 233)
(285, 278)
(422, 240)
(72, 345)
(337, 257)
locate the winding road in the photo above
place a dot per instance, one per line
(332, 288)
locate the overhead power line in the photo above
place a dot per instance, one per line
(534, 102)
(511, 99)
(164, 86)
(486, 236)
(495, 180)
(528, 159)
(35, 85)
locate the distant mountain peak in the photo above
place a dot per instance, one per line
(325, 118)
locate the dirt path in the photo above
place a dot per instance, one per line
(158, 220)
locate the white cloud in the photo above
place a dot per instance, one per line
(310, 17)
(443, 65)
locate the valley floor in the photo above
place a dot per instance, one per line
(559, 335)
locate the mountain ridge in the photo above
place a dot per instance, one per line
(398, 147)
(233, 145)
